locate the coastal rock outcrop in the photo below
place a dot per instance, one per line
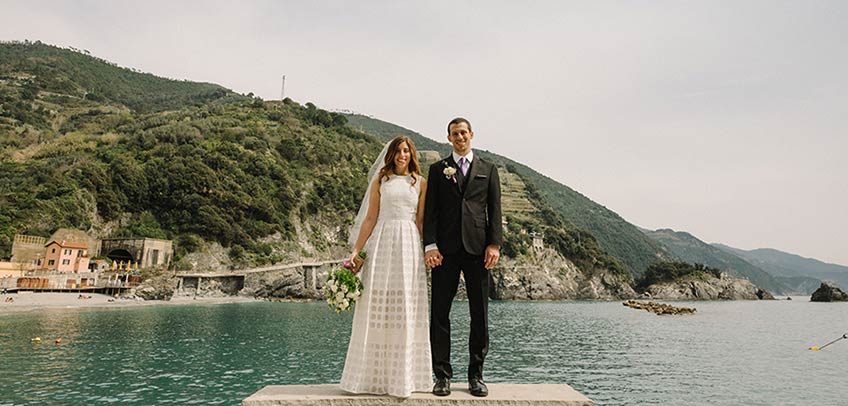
(828, 293)
(287, 285)
(302, 282)
(159, 287)
(707, 288)
(546, 275)
(763, 294)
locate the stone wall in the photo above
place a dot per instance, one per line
(27, 248)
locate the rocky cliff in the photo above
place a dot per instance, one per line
(707, 288)
(293, 283)
(159, 287)
(546, 275)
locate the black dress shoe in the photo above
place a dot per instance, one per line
(442, 387)
(477, 387)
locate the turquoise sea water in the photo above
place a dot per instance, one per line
(729, 353)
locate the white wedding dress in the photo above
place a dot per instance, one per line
(389, 350)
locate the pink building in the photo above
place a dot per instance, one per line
(64, 256)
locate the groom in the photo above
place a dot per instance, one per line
(462, 233)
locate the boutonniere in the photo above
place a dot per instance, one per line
(450, 172)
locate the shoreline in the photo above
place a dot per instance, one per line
(33, 301)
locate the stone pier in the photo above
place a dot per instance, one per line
(500, 394)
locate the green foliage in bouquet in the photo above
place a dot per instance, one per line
(342, 290)
(343, 286)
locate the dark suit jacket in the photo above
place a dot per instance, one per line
(469, 217)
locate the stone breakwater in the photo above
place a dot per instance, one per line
(658, 308)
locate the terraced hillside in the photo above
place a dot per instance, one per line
(514, 196)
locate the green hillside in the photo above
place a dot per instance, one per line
(784, 264)
(217, 167)
(614, 235)
(689, 248)
(63, 73)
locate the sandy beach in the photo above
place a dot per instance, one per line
(30, 301)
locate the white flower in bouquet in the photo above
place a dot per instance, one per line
(343, 287)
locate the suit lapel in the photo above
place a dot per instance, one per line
(475, 168)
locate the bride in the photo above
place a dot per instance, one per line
(389, 350)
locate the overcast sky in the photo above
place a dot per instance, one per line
(726, 119)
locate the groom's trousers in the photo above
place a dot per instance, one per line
(445, 282)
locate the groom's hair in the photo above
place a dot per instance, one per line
(457, 121)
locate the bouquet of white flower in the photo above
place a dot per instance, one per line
(343, 287)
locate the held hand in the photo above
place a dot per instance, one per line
(493, 253)
(433, 258)
(353, 255)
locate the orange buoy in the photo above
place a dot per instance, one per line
(59, 340)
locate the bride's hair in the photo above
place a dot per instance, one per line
(389, 163)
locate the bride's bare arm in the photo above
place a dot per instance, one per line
(370, 218)
(419, 217)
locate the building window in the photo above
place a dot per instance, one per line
(51, 262)
(67, 252)
(66, 262)
(54, 251)
(155, 257)
(79, 253)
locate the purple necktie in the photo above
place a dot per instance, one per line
(463, 166)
